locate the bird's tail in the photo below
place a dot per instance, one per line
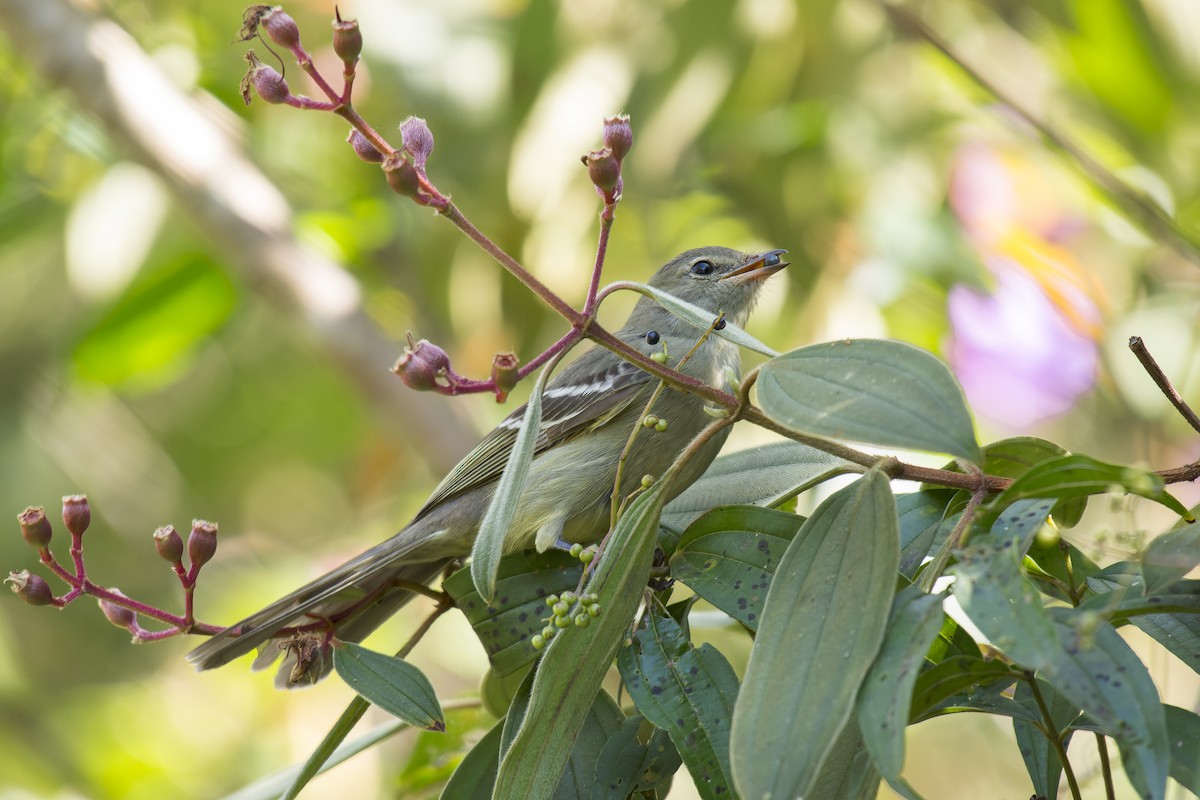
(350, 601)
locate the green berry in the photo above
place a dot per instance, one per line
(647, 481)
(538, 641)
(593, 610)
(551, 600)
(576, 549)
(569, 597)
(582, 620)
(650, 420)
(590, 597)
(562, 621)
(661, 426)
(548, 632)
(560, 609)
(587, 555)
(660, 357)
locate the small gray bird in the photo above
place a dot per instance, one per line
(588, 412)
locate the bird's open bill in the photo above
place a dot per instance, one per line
(762, 267)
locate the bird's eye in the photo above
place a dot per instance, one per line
(771, 260)
(702, 268)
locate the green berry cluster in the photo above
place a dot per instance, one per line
(566, 609)
(657, 423)
(584, 554)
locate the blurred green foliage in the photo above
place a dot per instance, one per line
(142, 370)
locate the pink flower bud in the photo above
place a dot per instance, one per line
(402, 175)
(423, 366)
(363, 148)
(202, 543)
(618, 135)
(77, 515)
(169, 544)
(266, 80)
(280, 27)
(605, 172)
(418, 140)
(347, 39)
(35, 528)
(504, 375)
(31, 588)
(118, 615)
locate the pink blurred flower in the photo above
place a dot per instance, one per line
(1028, 350)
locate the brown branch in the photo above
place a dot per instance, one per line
(1162, 381)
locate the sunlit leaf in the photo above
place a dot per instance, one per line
(489, 544)
(821, 628)
(867, 390)
(506, 625)
(391, 683)
(761, 476)
(575, 662)
(1097, 671)
(702, 318)
(886, 695)
(688, 692)
(729, 555)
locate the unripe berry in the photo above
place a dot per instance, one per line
(562, 621)
(202, 542)
(280, 27)
(551, 599)
(576, 549)
(422, 365)
(660, 357)
(649, 421)
(618, 135)
(118, 615)
(504, 375)
(35, 528)
(560, 609)
(661, 425)
(582, 620)
(77, 514)
(31, 588)
(587, 555)
(569, 598)
(593, 610)
(168, 544)
(347, 39)
(647, 481)
(538, 641)
(418, 140)
(363, 148)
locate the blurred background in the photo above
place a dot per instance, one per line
(199, 301)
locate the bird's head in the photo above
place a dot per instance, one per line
(719, 279)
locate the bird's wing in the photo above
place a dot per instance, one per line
(587, 394)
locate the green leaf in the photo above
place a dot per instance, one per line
(847, 773)
(506, 625)
(1011, 458)
(998, 598)
(1171, 556)
(147, 336)
(489, 544)
(569, 674)
(701, 318)
(1081, 476)
(391, 683)
(867, 390)
(729, 555)
(1041, 758)
(923, 515)
(476, 773)
(1183, 734)
(761, 476)
(1178, 633)
(821, 628)
(1097, 671)
(688, 692)
(886, 695)
(626, 766)
(950, 677)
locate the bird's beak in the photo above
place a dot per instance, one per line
(761, 267)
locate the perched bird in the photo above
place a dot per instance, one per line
(588, 412)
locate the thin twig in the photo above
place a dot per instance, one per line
(1110, 792)
(1138, 206)
(938, 565)
(1051, 731)
(1162, 381)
